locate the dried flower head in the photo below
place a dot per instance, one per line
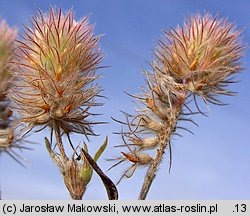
(202, 54)
(137, 159)
(155, 121)
(10, 141)
(54, 72)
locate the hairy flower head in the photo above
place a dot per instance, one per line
(54, 71)
(9, 139)
(202, 54)
(196, 59)
(7, 37)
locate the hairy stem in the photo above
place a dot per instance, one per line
(164, 141)
(59, 142)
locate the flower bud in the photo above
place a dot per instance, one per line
(149, 142)
(73, 180)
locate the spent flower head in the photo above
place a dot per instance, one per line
(54, 72)
(10, 141)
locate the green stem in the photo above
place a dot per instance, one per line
(59, 142)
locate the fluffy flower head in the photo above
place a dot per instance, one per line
(202, 54)
(7, 37)
(56, 65)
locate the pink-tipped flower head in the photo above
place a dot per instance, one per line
(7, 37)
(9, 140)
(203, 54)
(56, 65)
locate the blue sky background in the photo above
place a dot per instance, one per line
(212, 164)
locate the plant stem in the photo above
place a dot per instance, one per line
(164, 141)
(59, 142)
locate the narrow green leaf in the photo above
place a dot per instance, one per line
(101, 149)
(85, 147)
